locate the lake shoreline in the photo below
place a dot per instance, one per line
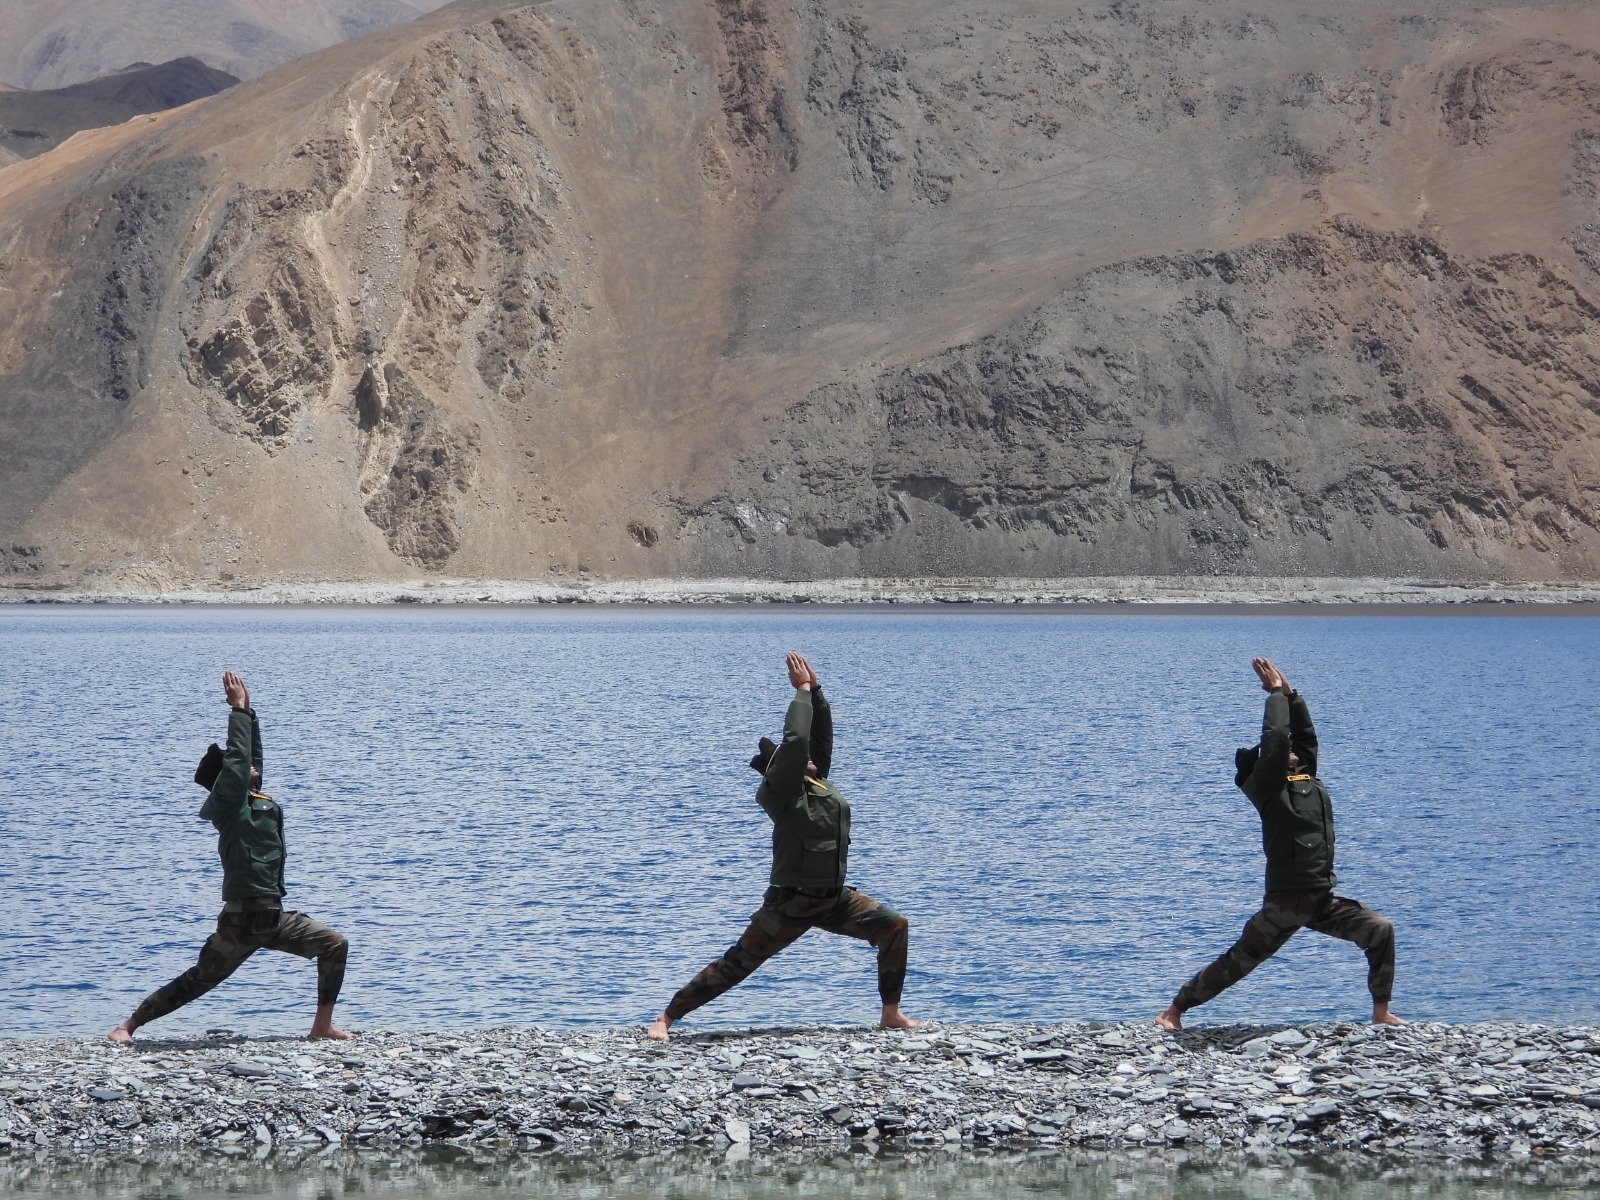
(1423, 1091)
(1112, 592)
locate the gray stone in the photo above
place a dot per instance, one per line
(1317, 1110)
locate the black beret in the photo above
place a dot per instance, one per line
(765, 749)
(210, 767)
(1244, 762)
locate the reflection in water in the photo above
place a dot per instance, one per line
(763, 1174)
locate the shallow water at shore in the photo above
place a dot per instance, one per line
(535, 817)
(861, 1175)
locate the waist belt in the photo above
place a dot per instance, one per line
(817, 893)
(253, 904)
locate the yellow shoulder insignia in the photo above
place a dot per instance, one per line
(1298, 778)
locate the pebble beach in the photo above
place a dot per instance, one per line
(1426, 1089)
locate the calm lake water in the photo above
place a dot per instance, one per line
(545, 817)
(776, 1175)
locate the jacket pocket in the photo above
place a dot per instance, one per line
(821, 856)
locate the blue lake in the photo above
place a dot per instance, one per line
(545, 816)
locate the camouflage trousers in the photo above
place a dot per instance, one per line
(238, 936)
(784, 915)
(1281, 914)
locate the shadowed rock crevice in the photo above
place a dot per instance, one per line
(752, 83)
(417, 461)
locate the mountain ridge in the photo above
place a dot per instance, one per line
(724, 289)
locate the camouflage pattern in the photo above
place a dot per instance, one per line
(784, 915)
(238, 936)
(1281, 914)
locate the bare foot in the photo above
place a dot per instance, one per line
(658, 1031)
(893, 1018)
(327, 1033)
(1382, 1016)
(1170, 1018)
(122, 1033)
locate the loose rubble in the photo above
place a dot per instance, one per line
(1425, 1089)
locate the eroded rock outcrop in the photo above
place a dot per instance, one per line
(1298, 404)
(416, 463)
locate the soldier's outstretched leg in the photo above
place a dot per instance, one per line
(237, 937)
(1352, 921)
(767, 934)
(858, 915)
(1264, 935)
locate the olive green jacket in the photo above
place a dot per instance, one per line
(810, 817)
(1296, 812)
(249, 825)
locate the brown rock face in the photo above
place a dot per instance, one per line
(726, 287)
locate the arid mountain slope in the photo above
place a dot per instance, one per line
(47, 44)
(721, 287)
(33, 122)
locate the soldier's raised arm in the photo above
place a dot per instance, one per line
(231, 789)
(786, 773)
(821, 726)
(1272, 767)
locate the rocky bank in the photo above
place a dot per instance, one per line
(1428, 1089)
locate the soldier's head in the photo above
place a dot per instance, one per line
(765, 749)
(1245, 758)
(211, 766)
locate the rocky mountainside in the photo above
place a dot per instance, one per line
(48, 44)
(33, 122)
(727, 287)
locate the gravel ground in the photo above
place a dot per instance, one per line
(1427, 1089)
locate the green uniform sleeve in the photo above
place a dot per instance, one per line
(821, 733)
(255, 745)
(231, 792)
(1272, 767)
(1302, 733)
(786, 773)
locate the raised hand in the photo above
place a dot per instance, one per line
(1272, 679)
(233, 687)
(801, 675)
